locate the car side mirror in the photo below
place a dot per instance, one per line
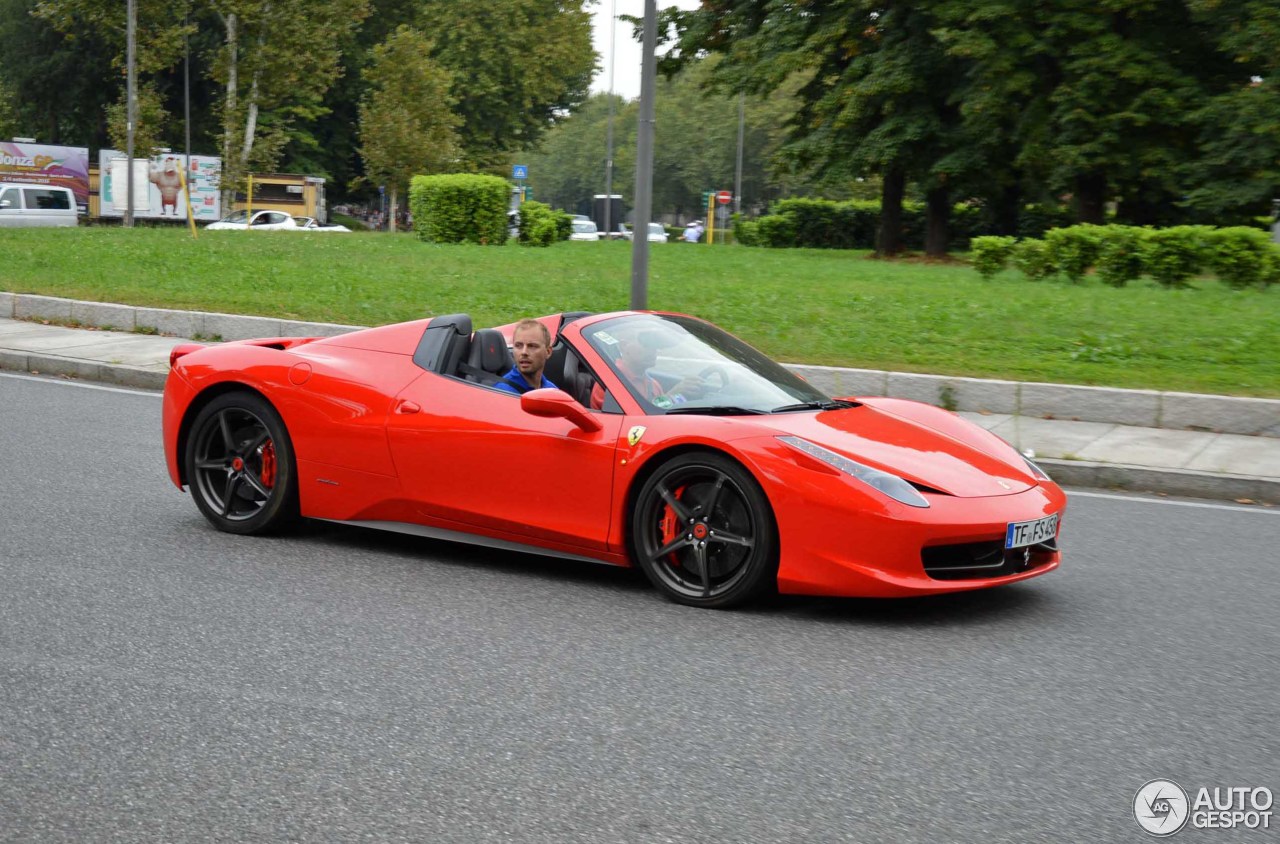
(552, 404)
(4, 203)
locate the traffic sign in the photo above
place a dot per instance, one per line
(519, 171)
(724, 197)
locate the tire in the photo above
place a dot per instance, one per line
(240, 465)
(702, 531)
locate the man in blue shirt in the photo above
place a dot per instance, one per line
(531, 344)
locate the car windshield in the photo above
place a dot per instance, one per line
(235, 217)
(656, 228)
(584, 226)
(677, 364)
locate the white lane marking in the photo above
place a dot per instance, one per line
(1239, 508)
(67, 383)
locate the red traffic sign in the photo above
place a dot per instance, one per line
(724, 197)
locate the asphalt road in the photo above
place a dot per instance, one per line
(160, 681)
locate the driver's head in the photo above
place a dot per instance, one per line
(638, 348)
(531, 345)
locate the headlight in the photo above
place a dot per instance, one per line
(1036, 470)
(891, 485)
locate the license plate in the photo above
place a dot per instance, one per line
(1034, 532)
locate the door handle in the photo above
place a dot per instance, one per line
(407, 407)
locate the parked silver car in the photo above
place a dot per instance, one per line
(36, 205)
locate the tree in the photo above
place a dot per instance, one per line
(1238, 172)
(877, 93)
(275, 64)
(518, 68)
(407, 126)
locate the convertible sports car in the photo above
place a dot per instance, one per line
(669, 444)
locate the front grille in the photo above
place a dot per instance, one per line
(979, 560)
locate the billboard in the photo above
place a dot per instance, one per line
(157, 186)
(42, 164)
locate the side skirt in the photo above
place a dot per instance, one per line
(467, 539)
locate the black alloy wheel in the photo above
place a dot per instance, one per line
(703, 532)
(240, 465)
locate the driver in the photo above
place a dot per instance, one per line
(531, 345)
(638, 352)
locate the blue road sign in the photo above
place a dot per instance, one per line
(519, 171)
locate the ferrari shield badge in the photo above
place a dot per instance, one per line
(634, 435)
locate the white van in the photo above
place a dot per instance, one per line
(36, 205)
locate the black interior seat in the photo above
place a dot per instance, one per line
(489, 358)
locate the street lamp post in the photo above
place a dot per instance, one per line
(644, 163)
(131, 104)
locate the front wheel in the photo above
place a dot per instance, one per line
(240, 465)
(703, 532)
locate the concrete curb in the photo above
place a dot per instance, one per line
(1142, 408)
(1182, 482)
(108, 373)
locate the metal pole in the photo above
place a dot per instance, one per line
(131, 105)
(644, 163)
(608, 161)
(737, 173)
(186, 93)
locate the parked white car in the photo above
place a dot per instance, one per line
(262, 221)
(311, 224)
(584, 230)
(657, 234)
(36, 205)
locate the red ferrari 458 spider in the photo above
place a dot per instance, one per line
(667, 444)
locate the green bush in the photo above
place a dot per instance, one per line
(564, 224)
(1033, 259)
(1173, 255)
(1073, 250)
(776, 230)
(745, 231)
(460, 208)
(538, 224)
(1241, 256)
(1120, 254)
(991, 254)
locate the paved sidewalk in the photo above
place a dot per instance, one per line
(1196, 463)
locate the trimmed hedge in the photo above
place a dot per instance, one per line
(991, 254)
(1121, 250)
(1073, 250)
(541, 226)
(460, 208)
(1240, 256)
(824, 224)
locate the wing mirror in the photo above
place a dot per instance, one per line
(4, 203)
(552, 403)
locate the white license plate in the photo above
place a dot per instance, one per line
(1033, 532)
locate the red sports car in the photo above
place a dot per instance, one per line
(667, 444)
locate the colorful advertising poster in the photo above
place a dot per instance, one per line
(157, 186)
(41, 164)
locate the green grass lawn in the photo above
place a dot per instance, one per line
(802, 306)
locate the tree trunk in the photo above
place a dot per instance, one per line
(1008, 208)
(229, 116)
(391, 220)
(251, 118)
(889, 236)
(937, 214)
(1091, 198)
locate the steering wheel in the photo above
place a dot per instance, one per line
(719, 371)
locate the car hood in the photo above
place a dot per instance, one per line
(920, 443)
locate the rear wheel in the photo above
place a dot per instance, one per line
(240, 465)
(703, 532)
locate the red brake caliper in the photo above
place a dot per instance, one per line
(671, 527)
(269, 464)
